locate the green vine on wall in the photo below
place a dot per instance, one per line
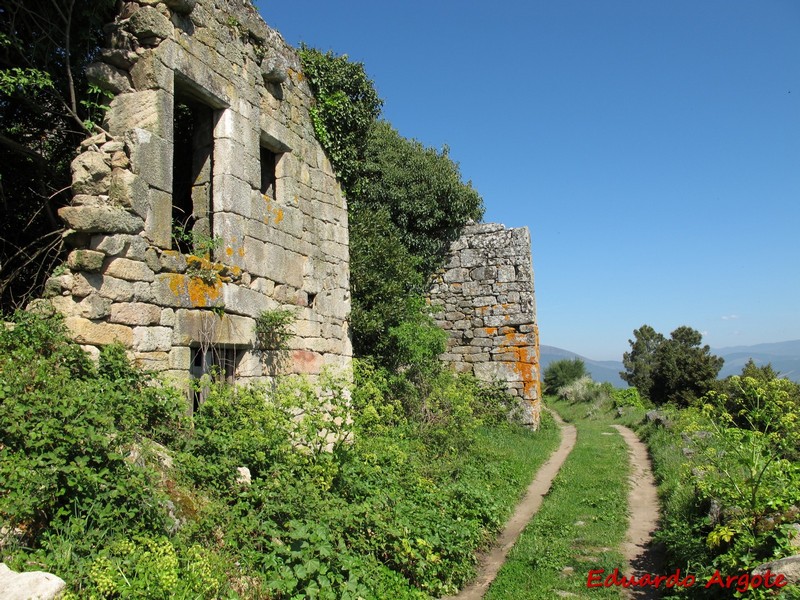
(347, 105)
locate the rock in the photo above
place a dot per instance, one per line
(25, 586)
(789, 567)
(274, 68)
(108, 77)
(243, 476)
(85, 260)
(84, 331)
(135, 313)
(125, 188)
(147, 23)
(657, 417)
(90, 173)
(118, 57)
(129, 270)
(794, 535)
(183, 7)
(100, 219)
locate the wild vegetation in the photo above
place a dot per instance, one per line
(362, 490)
(46, 109)
(725, 454)
(406, 204)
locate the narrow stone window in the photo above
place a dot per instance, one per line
(193, 153)
(219, 363)
(269, 161)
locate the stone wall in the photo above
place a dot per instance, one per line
(485, 301)
(262, 218)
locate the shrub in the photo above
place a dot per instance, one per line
(627, 397)
(65, 442)
(563, 372)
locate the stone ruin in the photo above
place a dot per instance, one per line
(484, 299)
(206, 200)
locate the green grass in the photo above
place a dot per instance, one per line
(582, 521)
(506, 460)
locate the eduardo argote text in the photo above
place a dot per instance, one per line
(740, 583)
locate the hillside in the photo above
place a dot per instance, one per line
(600, 370)
(783, 356)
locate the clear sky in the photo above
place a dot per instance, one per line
(652, 146)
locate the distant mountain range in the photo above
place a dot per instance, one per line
(783, 356)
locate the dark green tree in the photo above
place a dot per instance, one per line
(422, 190)
(45, 101)
(640, 362)
(563, 372)
(406, 204)
(684, 370)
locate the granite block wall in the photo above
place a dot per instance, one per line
(205, 199)
(484, 299)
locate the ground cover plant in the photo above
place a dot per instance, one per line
(729, 481)
(726, 465)
(353, 491)
(582, 521)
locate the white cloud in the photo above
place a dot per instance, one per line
(730, 317)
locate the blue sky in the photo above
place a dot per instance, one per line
(652, 147)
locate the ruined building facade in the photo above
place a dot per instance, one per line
(207, 201)
(484, 298)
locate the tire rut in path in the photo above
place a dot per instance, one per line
(641, 555)
(489, 563)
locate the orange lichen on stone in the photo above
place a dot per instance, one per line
(241, 252)
(229, 251)
(490, 330)
(199, 292)
(524, 364)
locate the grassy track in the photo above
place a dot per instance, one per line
(581, 523)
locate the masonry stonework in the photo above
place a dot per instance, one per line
(484, 298)
(208, 134)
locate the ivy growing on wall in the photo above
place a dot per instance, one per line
(406, 202)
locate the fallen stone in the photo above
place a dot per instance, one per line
(26, 586)
(789, 567)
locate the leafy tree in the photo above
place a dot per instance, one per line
(422, 190)
(563, 372)
(405, 202)
(44, 103)
(685, 370)
(640, 362)
(763, 374)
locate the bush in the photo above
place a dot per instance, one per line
(392, 505)
(627, 397)
(563, 372)
(67, 435)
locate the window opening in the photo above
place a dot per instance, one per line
(218, 363)
(193, 151)
(269, 160)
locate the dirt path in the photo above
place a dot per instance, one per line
(489, 564)
(644, 510)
